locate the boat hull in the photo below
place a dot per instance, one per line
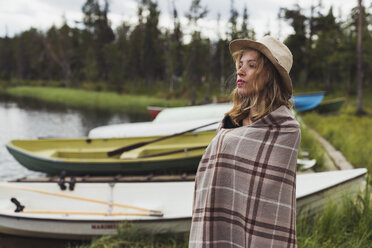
(56, 167)
(143, 129)
(95, 209)
(306, 102)
(331, 106)
(88, 229)
(207, 111)
(173, 199)
(315, 190)
(154, 111)
(90, 156)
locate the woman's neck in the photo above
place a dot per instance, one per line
(248, 120)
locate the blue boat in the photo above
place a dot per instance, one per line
(307, 101)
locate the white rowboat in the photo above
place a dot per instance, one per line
(144, 129)
(314, 190)
(207, 111)
(95, 209)
(168, 121)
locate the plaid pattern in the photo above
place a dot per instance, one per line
(245, 189)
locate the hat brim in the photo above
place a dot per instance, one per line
(240, 44)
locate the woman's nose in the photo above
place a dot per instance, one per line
(241, 71)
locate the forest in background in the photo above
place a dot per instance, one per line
(144, 56)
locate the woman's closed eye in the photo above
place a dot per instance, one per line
(252, 65)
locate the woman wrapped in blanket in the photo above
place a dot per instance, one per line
(245, 187)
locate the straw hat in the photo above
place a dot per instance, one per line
(274, 50)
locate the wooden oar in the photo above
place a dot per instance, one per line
(140, 144)
(78, 213)
(150, 212)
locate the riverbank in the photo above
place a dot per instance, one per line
(77, 98)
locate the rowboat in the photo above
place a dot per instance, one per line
(305, 164)
(95, 209)
(84, 156)
(154, 111)
(331, 106)
(302, 102)
(207, 111)
(167, 122)
(173, 120)
(315, 190)
(151, 128)
(307, 101)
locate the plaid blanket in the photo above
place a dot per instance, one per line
(245, 188)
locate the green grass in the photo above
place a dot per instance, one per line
(347, 133)
(129, 239)
(93, 100)
(313, 147)
(345, 225)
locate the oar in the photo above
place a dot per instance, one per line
(150, 212)
(78, 213)
(140, 144)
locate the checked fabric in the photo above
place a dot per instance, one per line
(245, 187)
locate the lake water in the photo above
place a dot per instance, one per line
(31, 120)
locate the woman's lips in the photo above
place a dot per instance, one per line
(240, 82)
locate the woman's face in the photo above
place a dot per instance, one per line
(247, 72)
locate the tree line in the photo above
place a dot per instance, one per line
(144, 55)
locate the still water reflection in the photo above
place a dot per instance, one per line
(32, 120)
(25, 119)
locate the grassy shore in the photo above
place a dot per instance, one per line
(93, 100)
(345, 225)
(128, 239)
(348, 133)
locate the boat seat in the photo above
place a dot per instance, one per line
(157, 149)
(79, 154)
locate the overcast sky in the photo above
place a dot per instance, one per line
(19, 15)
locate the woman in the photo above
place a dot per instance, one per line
(245, 184)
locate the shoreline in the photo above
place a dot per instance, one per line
(91, 100)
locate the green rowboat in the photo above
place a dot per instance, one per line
(331, 106)
(86, 156)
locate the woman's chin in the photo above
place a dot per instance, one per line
(243, 92)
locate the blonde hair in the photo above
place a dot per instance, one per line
(264, 101)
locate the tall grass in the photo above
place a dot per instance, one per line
(346, 225)
(130, 239)
(350, 134)
(94, 100)
(313, 147)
